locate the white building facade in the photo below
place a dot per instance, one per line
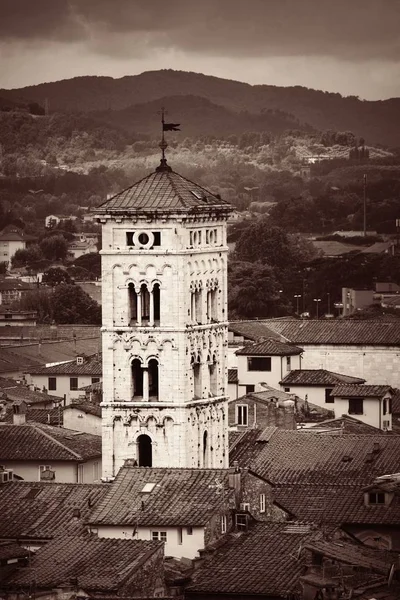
(164, 300)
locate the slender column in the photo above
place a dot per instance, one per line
(151, 320)
(145, 384)
(209, 307)
(193, 297)
(139, 308)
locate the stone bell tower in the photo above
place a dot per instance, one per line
(164, 300)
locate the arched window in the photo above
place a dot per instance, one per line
(198, 298)
(156, 302)
(137, 378)
(153, 379)
(197, 378)
(145, 451)
(145, 302)
(212, 366)
(132, 299)
(205, 449)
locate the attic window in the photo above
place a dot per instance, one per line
(79, 360)
(376, 498)
(31, 495)
(148, 487)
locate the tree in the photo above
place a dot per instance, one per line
(253, 291)
(26, 257)
(3, 268)
(91, 262)
(71, 304)
(55, 276)
(54, 247)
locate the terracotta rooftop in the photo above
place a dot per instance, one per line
(163, 190)
(178, 497)
(269, 347)
(115, 561)
(87, 407)
(345, 424)
(92, 365)
(253, 330)
(34, 441)
(47, 416)
(337, 331)
(334, 504)
(262, 561)
(317, 377)
(313, 458)
(12, 283)
(41, 510)
(360, 391)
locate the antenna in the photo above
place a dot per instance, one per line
(365, 203)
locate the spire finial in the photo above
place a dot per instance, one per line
(163, 144)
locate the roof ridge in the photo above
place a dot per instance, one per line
(38, 427)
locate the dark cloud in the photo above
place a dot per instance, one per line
(348, 29)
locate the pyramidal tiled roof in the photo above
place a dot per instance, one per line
(163, 190)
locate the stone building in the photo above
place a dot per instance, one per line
(164, 299)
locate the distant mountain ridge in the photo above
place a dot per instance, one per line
(377, 121)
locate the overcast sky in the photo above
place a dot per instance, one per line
(346, 46)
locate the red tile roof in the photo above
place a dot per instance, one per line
(47, 416)
(87, 407)
(12, 283)
(163, 190)
(186, 497)
(269, 347)
(337, 332)
(334, 504)
(30, 397)
(294, 456)
(360, 391)
(44, 509)
(345, 424)
(98, 565)
(34, 441)
(317, 377)
(92, 365)
(262, 561)
(253, 330)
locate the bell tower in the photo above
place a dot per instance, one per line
(164, 329)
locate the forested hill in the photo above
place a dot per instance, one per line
(378, 121)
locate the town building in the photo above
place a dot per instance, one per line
(89, 567)
(83, 416)
(164, 276)
(36, 452)
(273, 408)
(11, 317)
(367, 349)
(34, 512)
(65, 379)
(316, 385)
(13, 289)
(371, 404)
(187, 509)
(12, 239)
(83, 244)
(266, 361)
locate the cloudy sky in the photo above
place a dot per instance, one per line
(346, 46)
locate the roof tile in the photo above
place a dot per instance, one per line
(269, 347)
(317, 377)
(163, 190)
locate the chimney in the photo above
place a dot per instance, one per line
(235, 481)
(19, 412)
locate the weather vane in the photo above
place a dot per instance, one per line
(163, 143)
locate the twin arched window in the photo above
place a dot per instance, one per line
(144, 305)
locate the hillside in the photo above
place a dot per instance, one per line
(377, 121)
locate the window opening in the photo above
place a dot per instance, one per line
(153, 378)
(242, 414)
(137, 378)
(132, 303)
(329, 399)
(376, 498)
(145, 298)
(52, 383)
(156, 301)
(197, 379)
(145, 451)
(258, 363)
(205, 449)
(73, 383)
(356, 406)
